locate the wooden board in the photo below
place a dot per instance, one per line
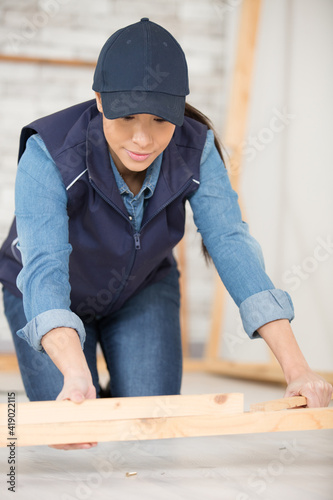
(264, 372)
(233, 139)
(125, 408)
(154, 417)
(280, 404)
(46, 60)
(170, 427)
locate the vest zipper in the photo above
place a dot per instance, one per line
(137, 245)
(137, 236)
(137, 241)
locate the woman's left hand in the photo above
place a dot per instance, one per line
(314, 387)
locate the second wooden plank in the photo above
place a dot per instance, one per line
(280, 404)
(170, 427)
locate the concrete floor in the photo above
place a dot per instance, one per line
(270, 466)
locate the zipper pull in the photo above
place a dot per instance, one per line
(137, 241)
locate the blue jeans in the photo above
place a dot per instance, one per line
(141, 344)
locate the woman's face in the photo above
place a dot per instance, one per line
(136, 140)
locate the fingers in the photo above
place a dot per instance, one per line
(76, 389)
(318, 392)
(76, 396)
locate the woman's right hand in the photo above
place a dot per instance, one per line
(64, 348)
(76, 388)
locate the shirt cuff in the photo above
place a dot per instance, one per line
(46, 321)
(263, 307)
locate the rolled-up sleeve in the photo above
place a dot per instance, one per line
(237, 256)
(42, 227)
(263, 307)
(46, 321)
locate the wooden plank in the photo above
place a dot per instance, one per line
(263, 372)
(249, 371)
(170, 427)
(101, 364)
(194, 365)
(219, 301)
(235, 130)
(240, 89)
(124, 408)
(280, 404)
(184, 323)
(9, 363)
(45, 60)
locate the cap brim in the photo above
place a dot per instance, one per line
(119, 104)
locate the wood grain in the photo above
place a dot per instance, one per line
(280, 404)
(171, 427)
(48, 412)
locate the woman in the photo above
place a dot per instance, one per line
(100, 195)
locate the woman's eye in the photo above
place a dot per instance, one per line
(131, 117)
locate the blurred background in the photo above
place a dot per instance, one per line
(286, 173)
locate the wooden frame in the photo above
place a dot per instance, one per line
(233, 139)
(234, 136)
(154, 417)
(44, 60)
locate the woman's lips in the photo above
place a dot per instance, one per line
(137, 156)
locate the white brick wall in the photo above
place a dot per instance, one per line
(71, 29)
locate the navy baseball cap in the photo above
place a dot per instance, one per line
(142, 69)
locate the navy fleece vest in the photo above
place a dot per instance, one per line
(109, 262)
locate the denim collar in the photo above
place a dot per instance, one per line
(149, 184)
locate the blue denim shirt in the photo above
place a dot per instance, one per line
(42, 225)
(135, 204)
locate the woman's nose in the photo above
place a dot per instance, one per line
(142, 137)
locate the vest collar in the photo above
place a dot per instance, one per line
(99, 165)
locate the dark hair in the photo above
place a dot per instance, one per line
(194, 113)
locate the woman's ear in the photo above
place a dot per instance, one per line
(99, 102)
